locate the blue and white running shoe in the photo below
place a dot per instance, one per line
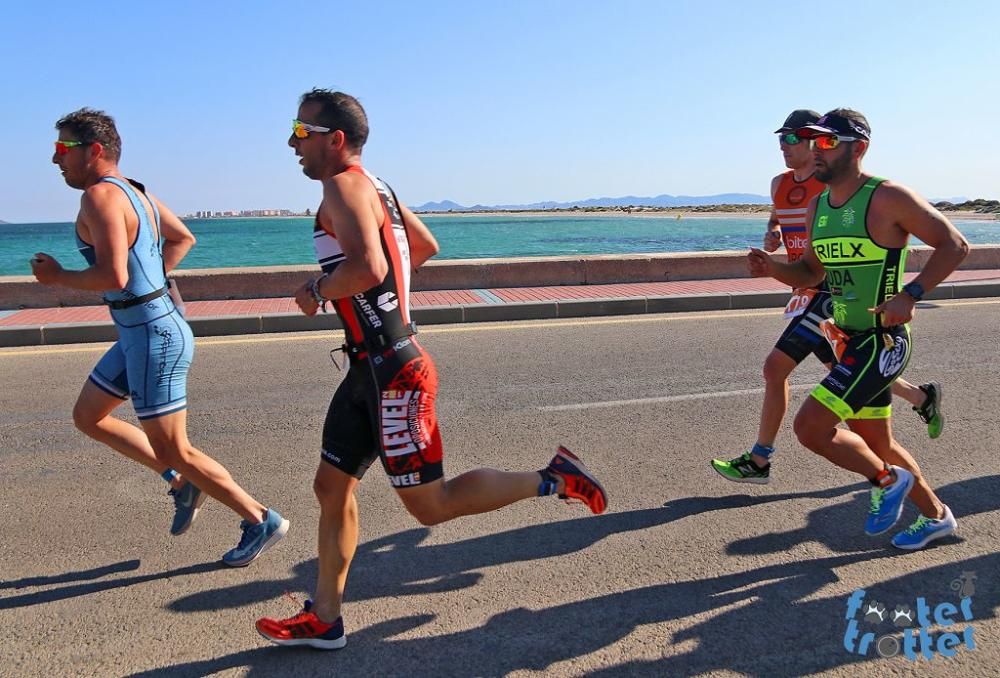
(887, 502)
(925, 530)
(187, 501)
(256, 539)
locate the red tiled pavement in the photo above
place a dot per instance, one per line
(445, 298)
(253, 307)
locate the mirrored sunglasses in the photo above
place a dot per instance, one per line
(302, 130)
(828, 143)
(63, 147)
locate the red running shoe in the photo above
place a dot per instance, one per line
(305, 628)
(580, 485)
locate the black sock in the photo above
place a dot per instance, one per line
(548, 485)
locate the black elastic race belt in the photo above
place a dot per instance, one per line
(356, 352)
(129, 303)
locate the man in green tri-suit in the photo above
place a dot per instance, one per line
(859, 230)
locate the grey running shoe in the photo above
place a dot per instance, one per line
(256, 539)
(187, 501)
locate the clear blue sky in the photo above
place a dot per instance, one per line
(497, 102)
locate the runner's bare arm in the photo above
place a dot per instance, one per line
(347, 203)
(806, 272)
(916, 216)
(104, 226)
(177, 239)
(894, 205)
(772, 237)
(423, 245)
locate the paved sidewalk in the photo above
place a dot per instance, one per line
(32, 327)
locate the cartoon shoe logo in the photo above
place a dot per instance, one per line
(875, 614)
(965, 584)
(902, 616)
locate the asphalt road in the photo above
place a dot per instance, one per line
(685, 574)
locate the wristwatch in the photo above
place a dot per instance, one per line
(317, 296)
(915, 290)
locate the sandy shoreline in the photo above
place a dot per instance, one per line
(972, 216)
(650, 213)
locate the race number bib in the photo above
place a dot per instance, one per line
(837, 337)
(799, 302)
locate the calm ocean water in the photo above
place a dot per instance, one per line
(263, 242)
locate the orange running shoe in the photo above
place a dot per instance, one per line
(305, 628)
(580, 485)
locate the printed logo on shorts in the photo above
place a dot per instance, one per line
(401, 434)
(406, 480)
(890, 361)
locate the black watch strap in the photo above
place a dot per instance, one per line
(915, 290)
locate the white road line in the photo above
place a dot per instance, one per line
(664, 399)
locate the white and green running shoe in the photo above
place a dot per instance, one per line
(743, 470)
(925, 530)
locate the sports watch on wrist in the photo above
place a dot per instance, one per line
(915, 290)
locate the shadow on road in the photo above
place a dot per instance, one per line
(82, 575)
(804, 633)
(802, 636)
(398, 565)
(839, 526)
(52, 595)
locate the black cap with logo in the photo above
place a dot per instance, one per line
(834, 123)
(797, 119)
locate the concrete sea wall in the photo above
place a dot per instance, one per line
(280, 281)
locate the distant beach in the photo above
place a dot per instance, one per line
(602, 212)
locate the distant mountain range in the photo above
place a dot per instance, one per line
(635, 201)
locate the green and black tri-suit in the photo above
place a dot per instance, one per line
(861, 274)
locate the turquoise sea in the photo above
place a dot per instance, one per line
(264, 241)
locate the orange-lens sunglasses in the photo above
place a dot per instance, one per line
(301, 130)
(828, 143)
